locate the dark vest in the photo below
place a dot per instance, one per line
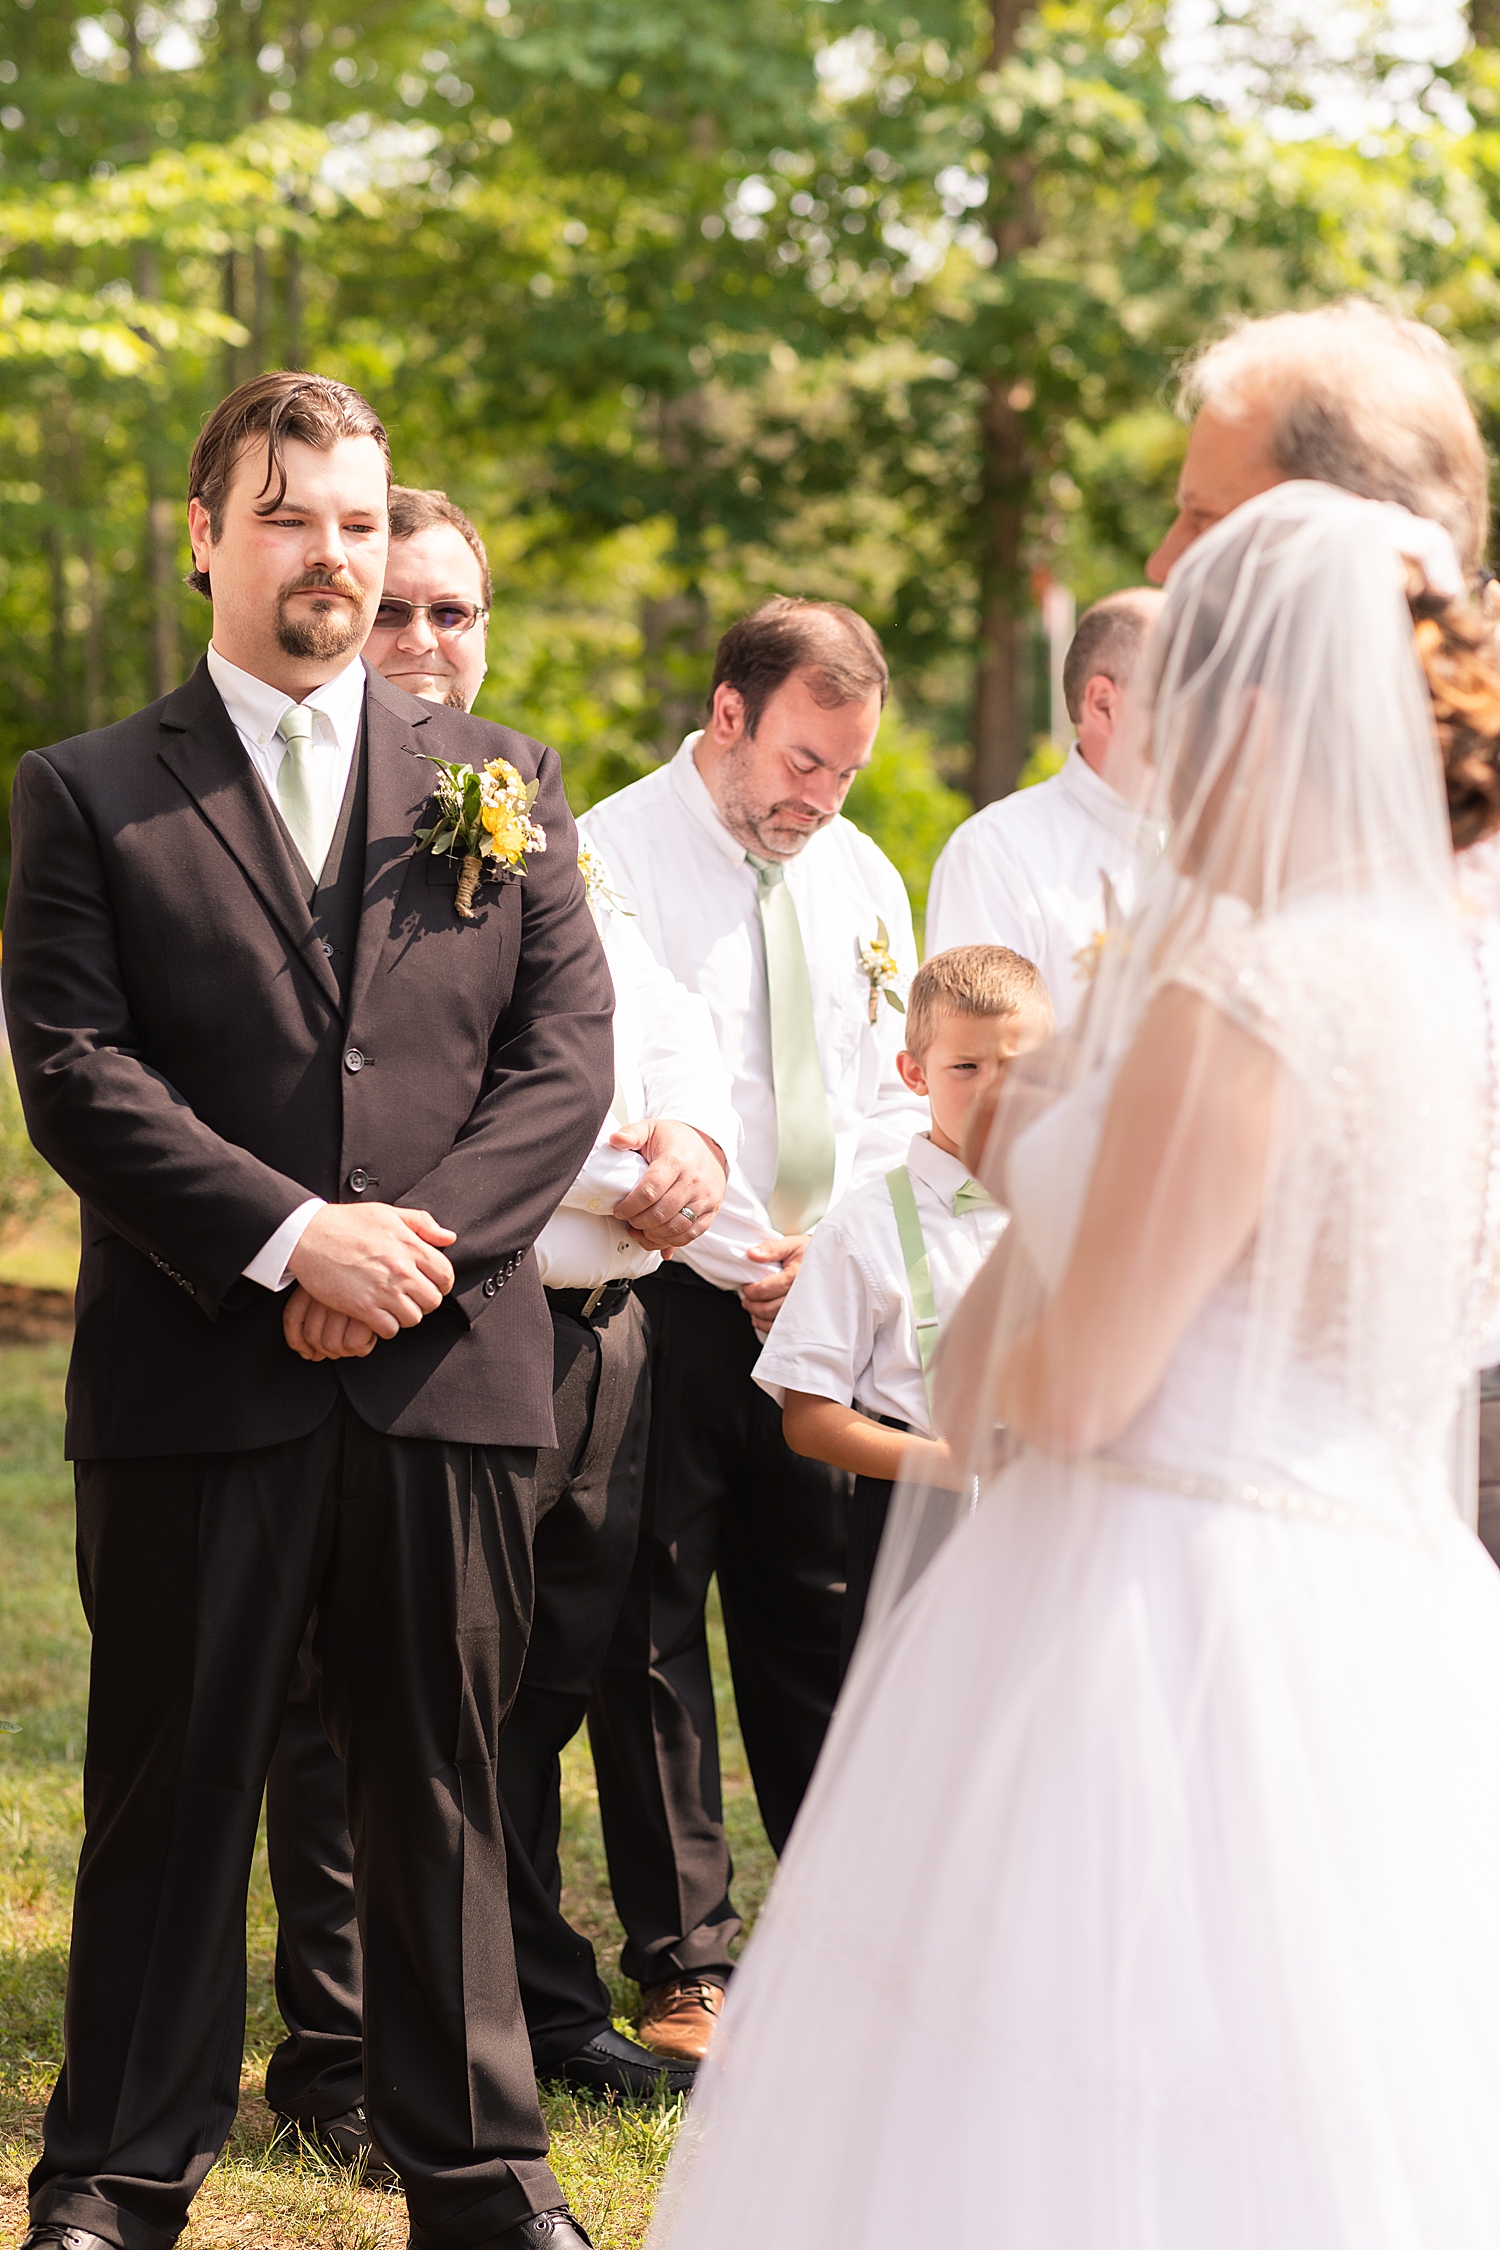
(335, 897)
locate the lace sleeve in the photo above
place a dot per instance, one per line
(1237, 972)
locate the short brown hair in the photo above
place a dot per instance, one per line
(839, 652)
(415, 509)
(1109, 639)
(970, 980)
(313, 409)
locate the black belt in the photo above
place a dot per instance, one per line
(608, 1298)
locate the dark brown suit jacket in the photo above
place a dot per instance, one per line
(187, 1065)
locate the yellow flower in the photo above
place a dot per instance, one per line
(510, 828)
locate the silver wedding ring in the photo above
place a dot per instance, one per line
(687, 1212)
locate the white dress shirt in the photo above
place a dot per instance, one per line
(666, 1065)
(846, 1330)
(1028, 873)
(255, 707)
(698, 905)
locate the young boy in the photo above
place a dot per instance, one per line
(848, 1358)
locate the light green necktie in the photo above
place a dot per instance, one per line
(804, 1129)
(304, 807)
(972, 1197)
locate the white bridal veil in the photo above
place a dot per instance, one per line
(1281, 724)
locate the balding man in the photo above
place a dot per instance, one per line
(1347, 395)
(1046, 870)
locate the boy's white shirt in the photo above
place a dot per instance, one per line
(846, 1330)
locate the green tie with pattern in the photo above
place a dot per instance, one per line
(972, 1197)
(302, 806)
(804, 1129)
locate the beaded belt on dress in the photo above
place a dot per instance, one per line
(1269, 1499)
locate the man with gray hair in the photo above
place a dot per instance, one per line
(1045, 871)
(1349, 395)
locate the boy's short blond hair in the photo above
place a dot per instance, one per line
(970, 980)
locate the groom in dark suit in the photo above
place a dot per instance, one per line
(316, 1120)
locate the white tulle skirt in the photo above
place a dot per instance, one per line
(1147, 1898)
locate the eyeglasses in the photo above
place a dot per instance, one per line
(445, 616)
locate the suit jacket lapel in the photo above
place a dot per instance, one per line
(200, 746)
(398, 785)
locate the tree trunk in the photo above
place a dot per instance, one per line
(675, 639)
(60, 698)
(675, 632)
(95, 686)
(260, 311)
(1002, 700)
(161, 557)
(293, 305)
(231, 302)
(159, 524)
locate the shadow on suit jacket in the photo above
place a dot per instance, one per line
(187, 1065)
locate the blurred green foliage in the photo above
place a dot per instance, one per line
(28, 1185)
(685, 304)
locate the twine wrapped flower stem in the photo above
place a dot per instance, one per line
(485, 813)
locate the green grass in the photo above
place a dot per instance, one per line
(609, 2160)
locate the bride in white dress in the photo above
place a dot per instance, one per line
(1147, 1896)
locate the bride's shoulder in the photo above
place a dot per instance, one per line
(1330, 975)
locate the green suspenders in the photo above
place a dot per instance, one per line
(918, 1271)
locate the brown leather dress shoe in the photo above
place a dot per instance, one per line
(678, 2017)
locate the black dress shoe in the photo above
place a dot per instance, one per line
(612, 2064)
(544, 2230)
(56, 2234)
(347, 2141)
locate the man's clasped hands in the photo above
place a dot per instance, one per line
(365, 1271)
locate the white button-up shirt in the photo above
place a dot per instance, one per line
(255, 708)
(847, 1330)
(698, 905)
(1029, 873)
(666, 1065)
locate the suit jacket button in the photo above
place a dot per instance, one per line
(354, 1060)
(491, 1286)
(359, 1179)
(327, 948)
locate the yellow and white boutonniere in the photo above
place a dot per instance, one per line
(883, 970)
(486, 815)
(596, 883)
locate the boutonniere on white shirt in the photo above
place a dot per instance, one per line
(1089, 955)
(596, 883)
(487, 816)
(883, 970)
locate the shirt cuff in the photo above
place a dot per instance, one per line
(268, 1266)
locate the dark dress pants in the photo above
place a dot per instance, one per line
(725, 1495)
(588, 1501)
(199, 1573)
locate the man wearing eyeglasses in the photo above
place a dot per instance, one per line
(430, 626)
(630, 1204)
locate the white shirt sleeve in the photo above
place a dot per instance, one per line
(823, 1339)
(269, 1264)
(607, 1175)
(680, 1064)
